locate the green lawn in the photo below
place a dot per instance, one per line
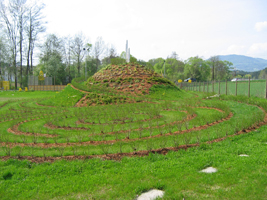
(162, 120)
(177, 174)
(16, 95)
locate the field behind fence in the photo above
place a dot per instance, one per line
(248, 88)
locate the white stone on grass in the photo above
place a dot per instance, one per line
(151, 195)
(244, 155)
(216, 95)
(209, 170)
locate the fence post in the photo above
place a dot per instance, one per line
(236, 87)
(266, 90)
(54, 83)
(226, 87)
(34, 83)
(207, 86)
(213, 86)
(219, 87)
(199, 86)
(248, 86)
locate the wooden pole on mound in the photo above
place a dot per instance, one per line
(266, 90)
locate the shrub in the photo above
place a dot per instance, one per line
(117, 61)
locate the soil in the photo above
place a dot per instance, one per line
(129, 78)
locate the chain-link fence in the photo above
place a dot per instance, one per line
(33, 80)
(244, 87)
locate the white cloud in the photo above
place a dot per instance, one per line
(258, 49)
(259, 26)
(235, 49)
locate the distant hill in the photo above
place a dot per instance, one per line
(245, 63)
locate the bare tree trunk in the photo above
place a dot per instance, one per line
(31, 67)
(20, 47)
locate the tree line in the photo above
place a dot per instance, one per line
(194, 67)
(23, 38)
(23, 29)
(21, 23)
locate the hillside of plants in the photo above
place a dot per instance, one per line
(102, 139)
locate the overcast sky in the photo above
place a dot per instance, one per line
(155, 28)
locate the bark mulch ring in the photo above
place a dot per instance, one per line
(118, 156)
(49, 145)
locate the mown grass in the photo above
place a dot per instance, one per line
(16, 95)
(65, 98)
(177, 173)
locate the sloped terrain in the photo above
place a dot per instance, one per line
(130, 78)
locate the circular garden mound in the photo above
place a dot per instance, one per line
(131, 78)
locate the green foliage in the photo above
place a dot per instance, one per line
(117, 61)
(173, 68)
(197, 68)
(133, 59)
(161, 80)
(104, 98)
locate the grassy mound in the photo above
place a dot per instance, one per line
(65, 98)
(131, 78)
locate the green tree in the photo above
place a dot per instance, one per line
(263, 74)
(220, 70)
(197, 68)
(117, 61)
(247, 76)
(51, 58)
(173, 68)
